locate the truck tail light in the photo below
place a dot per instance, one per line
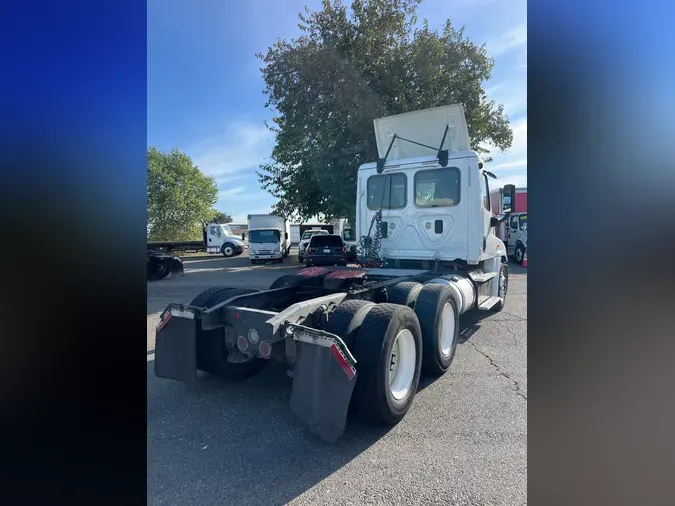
(309, 250)
(344, 249)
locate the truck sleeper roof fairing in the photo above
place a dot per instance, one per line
(418, 133)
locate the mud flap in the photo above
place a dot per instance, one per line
(176, 346)
(177, 268)
(323, 381)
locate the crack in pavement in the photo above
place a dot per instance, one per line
(514, 315)
(494, 364)
(510, 331)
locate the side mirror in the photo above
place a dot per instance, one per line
(286, 235)
(523, 227)
(508, 198)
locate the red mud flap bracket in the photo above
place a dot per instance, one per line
(324, 376)
(176, 344)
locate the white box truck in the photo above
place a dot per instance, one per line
(269, 237)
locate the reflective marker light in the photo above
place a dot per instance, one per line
(265, 349)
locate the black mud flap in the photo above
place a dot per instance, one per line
(323, 381)
(176, 346)
(177, 268)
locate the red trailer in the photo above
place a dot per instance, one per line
(521, 200)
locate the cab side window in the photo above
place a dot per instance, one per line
(214, 231)
(513, 222)
(485, 192)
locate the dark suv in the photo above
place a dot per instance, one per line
(326, 249)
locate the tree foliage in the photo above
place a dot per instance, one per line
(220, 217)
(349, 68)
(180, 197)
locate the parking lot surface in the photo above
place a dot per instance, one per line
(463, 442)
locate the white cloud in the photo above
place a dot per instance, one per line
(513, 39)
(519, 180)
(492, 90)
(511, 93)
(519, 145)
(509, 165)
(231, 192)
(242, 215)
(225, 180)
(243, 146)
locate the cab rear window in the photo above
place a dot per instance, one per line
(326, 240)
(437, 187)
(387, 191)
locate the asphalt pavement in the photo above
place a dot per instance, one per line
(463, 442)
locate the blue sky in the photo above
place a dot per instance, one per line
(205, 90)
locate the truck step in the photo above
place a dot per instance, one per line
(488, 303)
(482, 277)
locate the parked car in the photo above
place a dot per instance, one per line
(304, 241)
(160, 265)
(326, 249)
(349, 237)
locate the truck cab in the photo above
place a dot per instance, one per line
(433, 203)
(265, 244)
(219, 238)
(268, 237)
(517, 236)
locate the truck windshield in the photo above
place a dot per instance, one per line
(348, 235)
(264, 236)
(522, 220)
(226, 230)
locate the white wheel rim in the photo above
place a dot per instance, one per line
(228, 251)
(446, 330)
(519, 254)
(502, 285)
(402, 364)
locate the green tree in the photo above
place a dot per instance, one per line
(180, 197)
(347, 69)
(220, 217)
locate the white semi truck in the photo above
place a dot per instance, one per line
(269, 238)
(362, 337)
(218, 238)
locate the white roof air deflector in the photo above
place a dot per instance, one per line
(419, 133)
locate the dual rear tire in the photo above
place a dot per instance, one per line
(386, 341)
(394, 343)
(436, 309)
